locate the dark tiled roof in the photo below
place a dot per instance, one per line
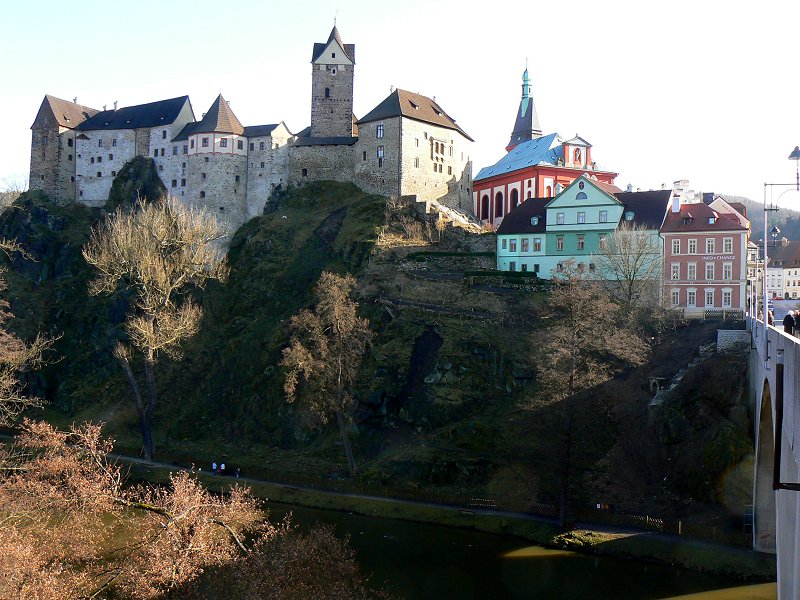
(349, 49)
(526, 125)
(220, 119)
(259, 130)
(326, 141)
(648, 207)
(738, 207)
(67, 114)
(152, 114)
(697, 215)
(188, 130)
(518, 220)
(412, 106)
(785, 255)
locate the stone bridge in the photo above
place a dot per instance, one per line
(774, 379)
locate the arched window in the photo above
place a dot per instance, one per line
(514, 199)
(548, 192)
(327, 92)
(581, 196)
(529, 194)
(577, 156)
(485, 207)
(498, 204)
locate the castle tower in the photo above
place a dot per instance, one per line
(332, 65)
(526, 125)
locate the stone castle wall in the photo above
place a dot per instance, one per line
(219, 185)
(100, 156)
(332, 112)
(318, 163)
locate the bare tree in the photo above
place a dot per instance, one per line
(324, 356)
(584, 347)
(11, 189)
(16, 357)
(158, 251)
(629, 264)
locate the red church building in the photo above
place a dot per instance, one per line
(535, 166)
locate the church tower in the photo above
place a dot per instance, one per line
(526, 125)
(332, 65)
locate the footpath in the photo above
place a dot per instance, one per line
(718, 559)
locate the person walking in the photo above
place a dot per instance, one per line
(214, 468)
(788, 323)
(222, 469)
(797, 323)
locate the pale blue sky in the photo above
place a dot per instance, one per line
(703, 90)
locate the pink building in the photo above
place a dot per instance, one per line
(705, 255)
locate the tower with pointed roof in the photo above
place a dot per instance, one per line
(526, 125)
(332, 64)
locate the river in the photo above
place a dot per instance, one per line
(428, 562)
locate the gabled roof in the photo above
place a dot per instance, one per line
(648, 207)
(152, 114)
(785, 256)
(519, 219)
(67, 114)
(578, 141)
(349, 49)
(694, 217)
(579, 183)
(219, 119)
(259, 130)
(527, 154)
(401, 103)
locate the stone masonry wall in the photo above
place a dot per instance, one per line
(332, 115)
(213, 185)
(100, 156)
(45, 156)
(732, 339)
(373, 175)
(266, 168)
(317, 163)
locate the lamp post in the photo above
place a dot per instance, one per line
(795, 156)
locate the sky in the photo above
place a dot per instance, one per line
(705, 90)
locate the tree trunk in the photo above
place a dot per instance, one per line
(144, 424)
(563, 494)
(348, 449)
(147, 427)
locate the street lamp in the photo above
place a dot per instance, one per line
(795, 156)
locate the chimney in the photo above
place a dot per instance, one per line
(629, 188)
(104, 107)
(115, 105)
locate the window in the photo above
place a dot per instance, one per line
(512, 266)
(252, 146)
(676, 246)
(202, 194)
(537, 244)
(155, 152)
(69, 156)
(692, 271)
(380, 162)
(205, 159)
(512, 245)
(581, 242)
(603, 216)
(237, 179)
(114, 142)
(524, 266)
(202, 175)
(327, 92)
(709, 271)
(559, 218)
(263, 164)
(183, 183)
(498, 204)
(727, 245)
(162, 152)
(305, 172)
(91, 160)
(525, 245)
(69, 142)
(726, 298)
(379, 131)
(99, 174)
(99, 159)
(186, 149)
(535, 268)
(191, 142)
(205, 142)
(581, 217)
(709, 245)
(450, 172)
(174, 183)
(99, 143)
(709, 297)
(691, 298)
(380, 151)
(676, 297)
(261, 145)
(675, 271)
(560, 242)
(164, 134)
(416, 162)
(692, 246)
(110, 157)
(602, 241)
(223, 143)
(727, 271)
(240, 144)
(504, 244)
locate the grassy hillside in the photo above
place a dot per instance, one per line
(447, 393)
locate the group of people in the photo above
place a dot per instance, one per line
(220, 470)
(791, 323)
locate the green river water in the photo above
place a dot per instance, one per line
(418, 561)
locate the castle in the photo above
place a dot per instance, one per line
(406, 146)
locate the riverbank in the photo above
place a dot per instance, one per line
(705, 557)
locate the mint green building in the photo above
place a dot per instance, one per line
(542, 234)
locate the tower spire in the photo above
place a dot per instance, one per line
(526, 125)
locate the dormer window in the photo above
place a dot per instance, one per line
(534, 220)
(629, 215)
(712, 220)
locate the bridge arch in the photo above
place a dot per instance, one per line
(764, 495)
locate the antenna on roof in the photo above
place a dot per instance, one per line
(104, 106)
(115, 105)
(75, 100)
(391, 89)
